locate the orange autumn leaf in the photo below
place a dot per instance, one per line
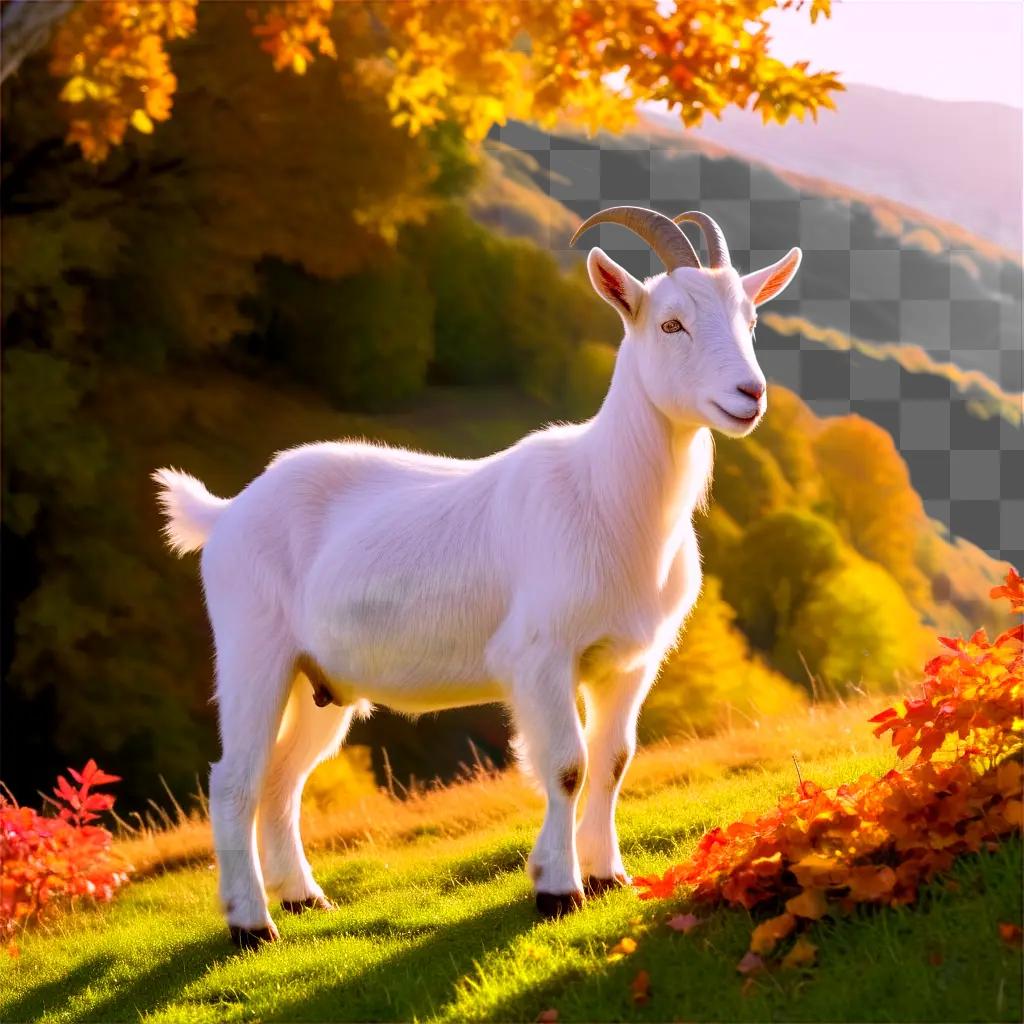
(640, 988)
(1013, 589)
(811, 903)
(767, 935)
(871, 883)
(878, 840)
(1011, 934)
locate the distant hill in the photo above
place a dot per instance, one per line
(959, 161)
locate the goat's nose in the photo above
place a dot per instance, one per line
(752, 389)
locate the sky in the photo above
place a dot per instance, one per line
(945, 49)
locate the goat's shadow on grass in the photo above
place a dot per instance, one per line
(51, 995)
(415, 982)
(179, 966)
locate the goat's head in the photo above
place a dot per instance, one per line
(692, 327)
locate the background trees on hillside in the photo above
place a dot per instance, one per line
(251, 259)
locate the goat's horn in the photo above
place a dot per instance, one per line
(667, 240)
(718, 248)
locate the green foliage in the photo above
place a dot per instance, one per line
(856, 628)
(772, 568)
(587, 378)
(363, 341)
(504, 313)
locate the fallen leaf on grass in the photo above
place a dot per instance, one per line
(768, 934)
(547, 1017)
(624, 947)
(803, 954)
(640, 988)
(684, 923)
(751, 962)
(1011, 934)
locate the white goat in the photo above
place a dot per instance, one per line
(385, 576)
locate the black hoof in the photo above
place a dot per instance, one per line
(252, 938)
(596, 886)
(309, 903)
(558, 904)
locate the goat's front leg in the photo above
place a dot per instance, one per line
(544, 701)
(612, 709)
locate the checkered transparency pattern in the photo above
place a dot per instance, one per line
(860, 277)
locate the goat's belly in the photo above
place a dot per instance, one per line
(425, 697)
(412, 649)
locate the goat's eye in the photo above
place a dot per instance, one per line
(673, 327)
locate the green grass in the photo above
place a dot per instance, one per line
(442, 929)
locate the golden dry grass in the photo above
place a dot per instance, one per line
(488, 798)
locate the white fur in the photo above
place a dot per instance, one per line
(418, 582)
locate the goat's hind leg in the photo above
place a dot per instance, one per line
(309, 734)
(254, 671)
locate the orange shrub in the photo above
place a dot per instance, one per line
(877, 840)
(53, 861)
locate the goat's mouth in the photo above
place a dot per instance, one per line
(743, 421)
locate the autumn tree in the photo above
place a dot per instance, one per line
(856, 457)
(257, 177)
(477, 63)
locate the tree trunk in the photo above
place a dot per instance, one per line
(25, 26)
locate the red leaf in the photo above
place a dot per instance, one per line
(1011, 934)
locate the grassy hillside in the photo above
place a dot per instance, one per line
(435, 921)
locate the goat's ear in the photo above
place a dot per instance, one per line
(618, 287)
(762, 285)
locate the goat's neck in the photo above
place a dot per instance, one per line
(648, 474)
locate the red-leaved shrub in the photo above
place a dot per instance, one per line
(877, 840)
(46, 862)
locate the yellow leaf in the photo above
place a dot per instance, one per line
(141, 122)
(75, 90)
(802, 954)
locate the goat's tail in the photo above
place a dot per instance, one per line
(189, 508)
